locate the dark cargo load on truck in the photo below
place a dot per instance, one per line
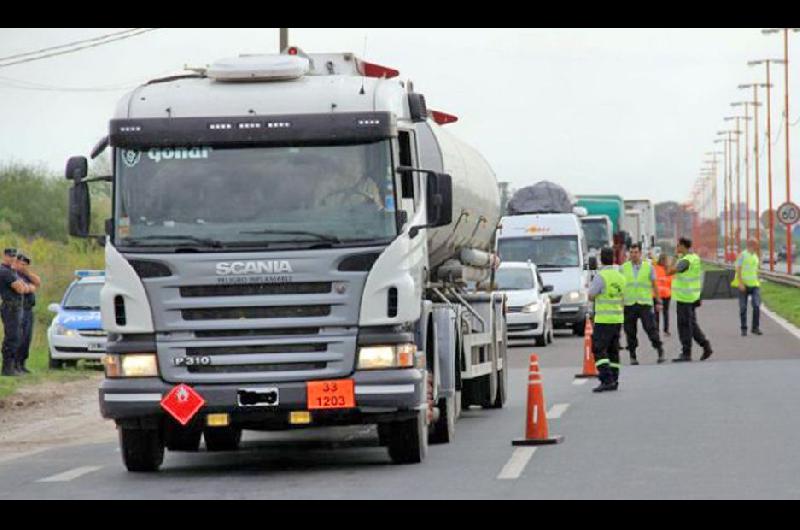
(542, 197)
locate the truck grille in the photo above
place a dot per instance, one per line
(259, 289)
(250, 368)
(218, 333)
(265, 348)
(233, 313)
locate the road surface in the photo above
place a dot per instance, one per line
(724, 428)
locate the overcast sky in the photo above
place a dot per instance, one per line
(628, 111)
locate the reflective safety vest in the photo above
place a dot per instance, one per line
(639, 288)
(688, 285)
(608, 305)
(663, 282)
(749, 271)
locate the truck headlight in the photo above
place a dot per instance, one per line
(131, 365)
(531, 308)
(574, 297)
(65, 332)
(382, 357)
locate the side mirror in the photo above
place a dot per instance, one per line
(593, 263)
(547, 289)
(439, 199)
(77, 168)
(54, 308)
(79, 209)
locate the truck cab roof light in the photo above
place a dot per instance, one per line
(443, 118)
(375, 70)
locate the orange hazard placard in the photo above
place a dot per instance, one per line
(338, 394)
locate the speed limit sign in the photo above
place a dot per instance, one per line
(788, 213)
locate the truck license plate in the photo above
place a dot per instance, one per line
(338, 394)
(95, 348)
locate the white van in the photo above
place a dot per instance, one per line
(555, 242)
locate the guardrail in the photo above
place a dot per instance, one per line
(776, 277)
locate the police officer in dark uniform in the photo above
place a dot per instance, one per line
(11, 290)
(28, 301)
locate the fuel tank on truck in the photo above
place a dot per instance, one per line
(476, 198)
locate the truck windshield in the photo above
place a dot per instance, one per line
(238, 197)
(596, 231)
(514, 279)
(83, 296)
(544, 251)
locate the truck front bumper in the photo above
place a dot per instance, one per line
(378, 394)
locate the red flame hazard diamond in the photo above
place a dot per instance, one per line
(182, 403)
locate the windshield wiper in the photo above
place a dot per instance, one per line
(269, 231)
(200, 240)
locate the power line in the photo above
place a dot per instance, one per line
(68, 44)
(78, 48)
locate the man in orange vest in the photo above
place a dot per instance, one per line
(664, 284)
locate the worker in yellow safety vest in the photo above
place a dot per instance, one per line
(746, 280)
(641, 294)
(607, 290)
(686, 290)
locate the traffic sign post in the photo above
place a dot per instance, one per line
(788, 214)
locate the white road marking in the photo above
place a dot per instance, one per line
(557, 410)
(782, 322)
(516, 464)
(72, 474)
(578, 382)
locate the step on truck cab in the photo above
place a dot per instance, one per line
(291, 240)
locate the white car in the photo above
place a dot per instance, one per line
(76, 331)
(530, 312)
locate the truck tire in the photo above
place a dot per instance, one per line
(179, 438)
(444, 430)
(408, 439)
(222, 438)
(55, 364)
(142, 449)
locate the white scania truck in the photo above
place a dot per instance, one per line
(291, 239)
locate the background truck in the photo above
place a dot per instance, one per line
(647, 221)
(291, 240)
(542, 229)
(613, 207)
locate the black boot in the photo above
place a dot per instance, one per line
(8, 369)
(21, 368)
(634, 360)
(707, 351)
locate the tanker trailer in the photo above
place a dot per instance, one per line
(290, 247)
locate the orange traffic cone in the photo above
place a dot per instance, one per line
(589, 368)
(536, 432)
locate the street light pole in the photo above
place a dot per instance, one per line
(786, 119)
(738, 235)
(770, 207)
(725, 197)
(747, 118)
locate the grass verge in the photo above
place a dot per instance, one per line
(783, 300)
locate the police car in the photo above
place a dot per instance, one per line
(77, 331)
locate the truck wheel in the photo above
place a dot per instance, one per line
(408, 439)
(179, 438)
(444, 430)
(222, 438)
(142, 449)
